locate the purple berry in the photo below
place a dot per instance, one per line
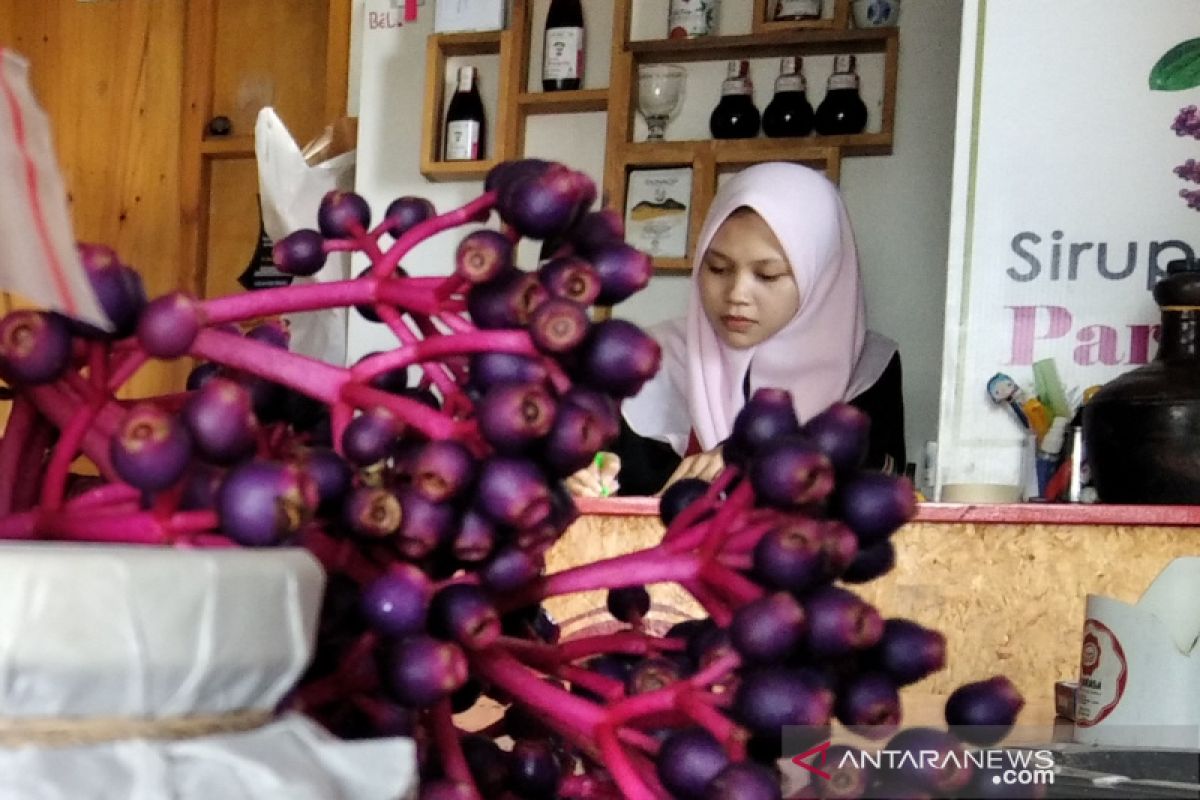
(202, 374)
(405, 213)
(840, 623)
(839, 548)
(424, 524)
(767, 698)
(629, 603)
(597, 229)
(678, 496)
(558, 326)
(510, 569)
(34, 347)
(623, 271)
(476, 538)
(851, 776)
(342, 215)
(512, 417)
(372, 512)
(688, 761)
(875, 505)
(169, 325)
(936, 761)
(488, 369)
(151, 449)
(871, 563)
(484, 255)
(442, 470)
(513, 491)
(118, 288)
(983, 712)
(767, 417)
(507, 302)
(768, 629)
(329, 472)
(419, 671)
(791, 472)
(273, 332)
(534, 770)
(578, 434)
(463, 613)
(541, 205)
(397, 602)
(744, 781)
(790, 557)
(508, 171)
(201, 482)
(370, 436)
(301, 253)
(618, 357)
(841, 432)
(908, 651)
(571, 278)
(221, 421)
(445, 790)
(265, 502)
(869, 704)
(487, 762)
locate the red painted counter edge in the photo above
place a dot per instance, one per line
(1019, 513)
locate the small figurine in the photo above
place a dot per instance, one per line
(1029, 410)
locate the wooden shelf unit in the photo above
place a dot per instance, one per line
(706, 157)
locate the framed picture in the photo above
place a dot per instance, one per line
(657, 208)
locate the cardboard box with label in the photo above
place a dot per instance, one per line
(1139, 672)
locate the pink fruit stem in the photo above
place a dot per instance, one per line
(59, 408)
(720, 726)
(140, 528)
(349, 678)
(743, 562)
(309, 376)
(184, 523)
(111, 494)
(32, 467)
(688, 518)
(455, 323)
(607, 688)
(127, 365)
(432, 370)
(430, 227)
(445, 736)
(654, 565)
(507, 341)
(730, 584)
(20, 423)
(413, 412)
(713, 605)
(405, 292)
(98, 367)
(621, 767)
(743, 540)
(736, 503)
(585, 787)
(55, 483)
(498, 667)
(625, 642)
(22, 525)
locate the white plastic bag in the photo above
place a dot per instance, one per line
(291, 191)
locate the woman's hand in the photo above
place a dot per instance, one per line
(598, 479)
(704, 466)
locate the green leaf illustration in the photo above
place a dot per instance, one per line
(1178, 69)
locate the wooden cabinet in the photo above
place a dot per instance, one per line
(706, 157)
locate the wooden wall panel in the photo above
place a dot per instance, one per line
(109, 74)
(233, 224)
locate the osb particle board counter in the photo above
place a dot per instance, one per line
(1005, 584)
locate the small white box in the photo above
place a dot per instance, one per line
(450, 16)
(1139, 671)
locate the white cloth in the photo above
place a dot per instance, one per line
(290, 759)
(822, 355)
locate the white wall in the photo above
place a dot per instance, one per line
(899, 203)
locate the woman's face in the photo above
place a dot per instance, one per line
(746, 284)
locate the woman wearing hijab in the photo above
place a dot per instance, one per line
(775, 301)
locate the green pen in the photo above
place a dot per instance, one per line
(599, 462)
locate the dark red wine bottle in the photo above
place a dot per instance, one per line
(735, 116)
(842, 112)
(562, 47)
(789, 113)
(466, 128)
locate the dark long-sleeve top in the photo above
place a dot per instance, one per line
(646, 464)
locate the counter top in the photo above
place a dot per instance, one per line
(1016, 513)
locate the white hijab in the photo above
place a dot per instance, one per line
(822, 355)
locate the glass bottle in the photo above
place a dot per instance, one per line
(562, 47)
(789, 113)
(466, 128)
(792, 10)
(735, 116)
(842, 111)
